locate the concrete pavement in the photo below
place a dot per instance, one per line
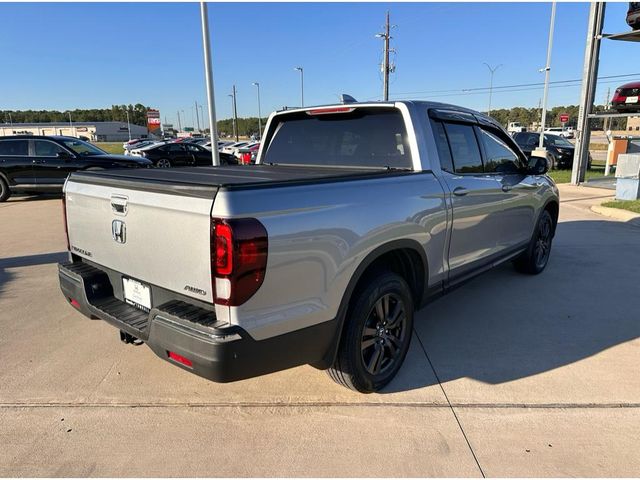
(507, 376)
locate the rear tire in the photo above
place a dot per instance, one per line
(376, 335)
(534, 260)
(5, 193)
(163, 163)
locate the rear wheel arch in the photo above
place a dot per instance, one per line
(553, 208)
(404, 257)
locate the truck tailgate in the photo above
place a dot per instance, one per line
(160, 238)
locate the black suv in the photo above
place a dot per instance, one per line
(560, 151)
(39, 164)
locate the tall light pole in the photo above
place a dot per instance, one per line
(492, 71)
(301, 70)
(70, 122)
(234, 109)
(233, 119)
(257, 85)
(129, 123)
(547, 70)
(197, 116)
(179, 123)
(208, 73)
(204, 124)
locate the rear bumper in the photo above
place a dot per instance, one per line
(216, 351)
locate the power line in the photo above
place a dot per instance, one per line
(502, 87)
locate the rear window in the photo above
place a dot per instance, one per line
(373, 137)
(14, 147)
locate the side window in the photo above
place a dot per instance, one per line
(193, 148)
(464, 148)
(446, 163)
(174, 148)
(44, 148)
(14, 147)
(499, 157)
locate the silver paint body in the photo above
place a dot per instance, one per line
(319, 233)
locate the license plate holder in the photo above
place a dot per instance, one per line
(136, 294)
(633, 99)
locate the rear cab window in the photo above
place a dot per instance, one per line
(364, 137)
(10, 148)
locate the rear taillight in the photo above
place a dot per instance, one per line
(64, 219)
(238, 259)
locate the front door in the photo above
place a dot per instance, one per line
(52, 163)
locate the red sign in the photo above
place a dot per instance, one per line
(153, 121)
(564, 117)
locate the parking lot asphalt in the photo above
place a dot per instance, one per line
(509, 375)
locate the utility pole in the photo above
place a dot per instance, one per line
(301, 70)
(70, 122)
(387, 67)
(208, 74)
(235, 114)
(492, 71)
(179, 123)
(197, 116)
(587, 94)
(257, 85)
(129, 123)
(547, 71)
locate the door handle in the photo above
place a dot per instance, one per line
(460, 191)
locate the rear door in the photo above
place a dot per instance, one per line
(475, 198)
(178, 155)
(200, 155)
(15, 161)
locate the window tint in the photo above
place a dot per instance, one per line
(173, 148)
(194, 148)
(498, 156)
(464, 148)
(46, 149)
(363, 138)
(14, 147)
(446, 163)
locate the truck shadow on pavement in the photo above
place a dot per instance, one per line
(503, 325)
(26, 261)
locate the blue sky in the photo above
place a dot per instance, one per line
(79, 55)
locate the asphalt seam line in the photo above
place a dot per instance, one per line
(424, 350)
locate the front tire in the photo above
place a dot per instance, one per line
(534, 260)
(5, 192)
(376, 335)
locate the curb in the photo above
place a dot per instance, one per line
(618, 214)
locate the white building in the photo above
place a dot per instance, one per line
(94, 131)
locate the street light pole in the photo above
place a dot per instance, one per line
(547, 70)
(179, 123)
(257, 85)
(197, 116)
(129, 124)
(301, 70)
(70, 123)
(492, 71)
(208, 73)
(235, 112)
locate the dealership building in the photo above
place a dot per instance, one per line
(93, 131)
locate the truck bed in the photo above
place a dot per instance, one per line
(203, 182)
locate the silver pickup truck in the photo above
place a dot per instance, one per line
(354, 216)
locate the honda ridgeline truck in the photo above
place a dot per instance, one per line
(354, 216)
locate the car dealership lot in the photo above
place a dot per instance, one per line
(507, 376)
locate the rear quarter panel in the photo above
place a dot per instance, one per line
(320, 233)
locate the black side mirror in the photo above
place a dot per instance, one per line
(537, 165)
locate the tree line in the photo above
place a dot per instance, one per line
(117, 113)
(529, 116)
(246, 126)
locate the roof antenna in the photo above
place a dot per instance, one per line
(344, 98)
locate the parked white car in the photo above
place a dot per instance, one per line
(233, 148)
(564, 133)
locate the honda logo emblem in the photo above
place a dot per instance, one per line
(119, 231)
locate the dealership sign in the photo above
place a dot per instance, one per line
(564, 117)
(153, 121)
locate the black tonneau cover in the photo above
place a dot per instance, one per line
(204, 182)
